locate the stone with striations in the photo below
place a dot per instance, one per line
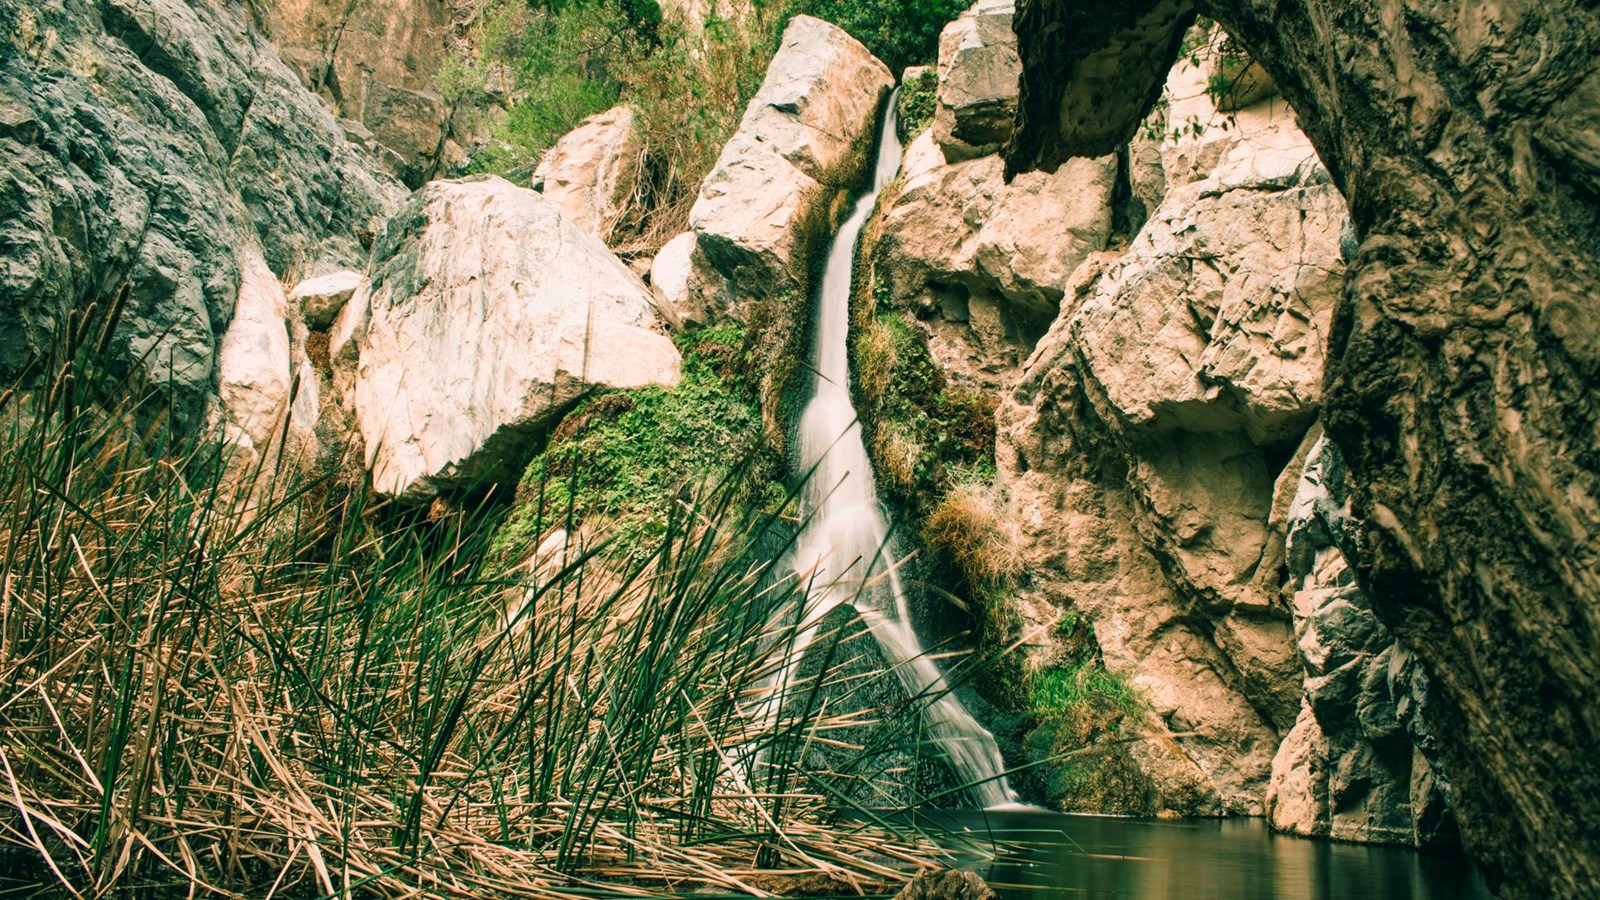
(591, 173)
(978, 69)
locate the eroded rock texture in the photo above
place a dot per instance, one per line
(592, 172)
(157, 143)
(1464, 389)
(377, 62)
(1145, 448)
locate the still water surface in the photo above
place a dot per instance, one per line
(1057, 855)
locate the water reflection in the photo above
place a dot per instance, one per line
(1051, 855)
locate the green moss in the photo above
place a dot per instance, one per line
(625, 457)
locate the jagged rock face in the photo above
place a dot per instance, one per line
(593, 170)
(1465, 375)
(978, 69)
(146, 143)
(982, 262)
(1356, 765)
(378, 63)
(803, 140)
(1150, 450)
(488, 315)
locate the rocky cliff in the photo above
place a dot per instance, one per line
(165, 147)
(1463, 370)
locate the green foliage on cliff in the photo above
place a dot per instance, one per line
(899, 32)
(918, 97)
(627, 458)
(551, 64)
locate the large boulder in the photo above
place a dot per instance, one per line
(487, 316)
(804, 139)
(984, 263)
(142, 143)
(253, 361)
(591, 173)
(978, 69)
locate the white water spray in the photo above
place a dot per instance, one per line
(842, 553)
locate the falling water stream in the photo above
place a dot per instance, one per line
(842, 553)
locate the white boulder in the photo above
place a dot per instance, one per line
(488, 314)
(590, 173)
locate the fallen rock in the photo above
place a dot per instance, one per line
(593, 170)
(488, 315)
(322, 298)
(669, 281)
(978, 71)
(253, 361)
(804, 139)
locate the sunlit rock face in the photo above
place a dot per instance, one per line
(146, 146)
(1464, 370)
(593, 171)
(487, 316)
(804, 139)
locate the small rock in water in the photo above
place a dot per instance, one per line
(948, 885)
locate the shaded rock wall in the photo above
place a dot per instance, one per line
(1464, 387)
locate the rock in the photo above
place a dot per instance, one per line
(978, 69)
(253, 360)
(592, 172)
(379, 65)
(1464, 381)
(489, 315)
(983, 262)
(1355, 766)
(669, 281)
(1142, 448)
(946, 885)
(320, 299)
(142, 143)
(804, 139)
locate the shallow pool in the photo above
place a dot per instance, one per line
(1046, 854)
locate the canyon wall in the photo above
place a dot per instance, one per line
(1463, 384)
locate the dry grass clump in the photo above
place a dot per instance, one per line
(969, 523)
(309, 702)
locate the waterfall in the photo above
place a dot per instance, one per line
(842, 553)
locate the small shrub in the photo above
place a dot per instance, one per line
(969, 524)
(918, 98)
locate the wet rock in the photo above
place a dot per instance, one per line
(947, 885)
(487, 316)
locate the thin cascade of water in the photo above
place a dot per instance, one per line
(842, 553)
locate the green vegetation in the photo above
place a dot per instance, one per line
(216, 685)
(918, 97)
(627, 458)
(899, 32)
(552, 64)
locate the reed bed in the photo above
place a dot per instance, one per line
(213, 686)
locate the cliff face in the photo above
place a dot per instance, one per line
(163, 146)
(1463, 387)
